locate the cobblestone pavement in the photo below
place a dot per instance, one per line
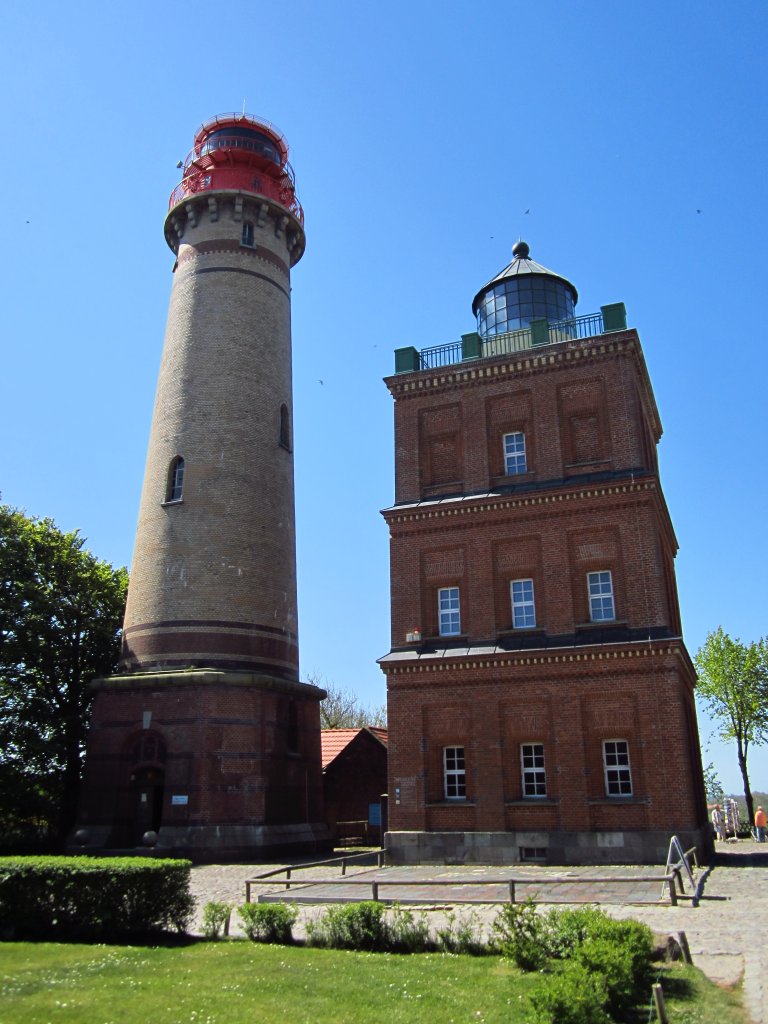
(727, 932)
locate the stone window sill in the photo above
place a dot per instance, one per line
(532, 801)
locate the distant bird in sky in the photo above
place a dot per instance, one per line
(698, 211)
(527, 211)
(319, 382)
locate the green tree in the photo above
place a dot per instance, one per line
(733, 684)
(342, 709)
(61, 611)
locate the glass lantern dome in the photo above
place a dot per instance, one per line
(522, 292)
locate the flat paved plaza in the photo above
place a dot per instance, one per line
(727, 932)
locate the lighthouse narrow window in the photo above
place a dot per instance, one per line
(247, 233)
(285, 427)
(514, 453)
(175, 480)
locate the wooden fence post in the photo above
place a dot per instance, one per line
(658, 1001)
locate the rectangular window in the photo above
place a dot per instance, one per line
(247, 237)
(534, 777)
(618, 777)
(523, 609)
(514, 453)
(449, 615)
(454, 774)
(600, 588)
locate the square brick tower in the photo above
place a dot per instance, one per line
(540, 694)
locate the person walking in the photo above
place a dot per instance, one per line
(718, 823)
(760, 824)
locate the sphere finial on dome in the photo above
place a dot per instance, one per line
(520, 250)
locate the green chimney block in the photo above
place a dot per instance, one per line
(407, 360)
(614, 317)
(539, 332)
(470, 346)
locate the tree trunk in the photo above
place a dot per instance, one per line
(747, 790)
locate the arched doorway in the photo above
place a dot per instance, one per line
(147, 784)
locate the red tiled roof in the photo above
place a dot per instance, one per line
(333, 741)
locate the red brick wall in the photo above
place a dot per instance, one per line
(568, 701)
(238, 753)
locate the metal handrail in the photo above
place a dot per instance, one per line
(520, 340)
(668, 879)
(440, 355)
(236, 142)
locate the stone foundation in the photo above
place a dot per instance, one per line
(576, 848)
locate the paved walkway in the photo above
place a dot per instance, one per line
(727, 932)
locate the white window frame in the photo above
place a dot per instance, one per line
(448, 611)
(515, 456)
(602, 607)
(523, 604)
(533, 771)
(617, 768)
(454, 773)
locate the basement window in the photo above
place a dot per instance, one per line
(533, 854)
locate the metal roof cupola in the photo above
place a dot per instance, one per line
(524, 291)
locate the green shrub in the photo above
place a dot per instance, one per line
(268, 922)
(351, 926)
(622, 952)
(565, 930)
(408, 932)
(92, 897)
(216, 920)
(461, 936)
(570, 996)
(518, 934)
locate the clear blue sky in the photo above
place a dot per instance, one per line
(421, 133)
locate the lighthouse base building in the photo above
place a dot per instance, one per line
(540, 696)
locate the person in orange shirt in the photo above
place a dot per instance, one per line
(760, 824)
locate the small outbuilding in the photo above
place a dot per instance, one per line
(354, 778)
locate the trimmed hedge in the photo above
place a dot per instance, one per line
(92, 898)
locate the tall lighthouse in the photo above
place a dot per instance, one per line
(206, 742)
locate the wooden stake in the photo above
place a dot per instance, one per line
(682, 938)
(658, 1000)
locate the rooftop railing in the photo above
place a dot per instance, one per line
(537, 335)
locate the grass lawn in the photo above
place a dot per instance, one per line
(239, 982)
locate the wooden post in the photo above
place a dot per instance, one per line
(343, 865)
(511, 891)
(658, 1001)
(672, 890)
(375, 892)
(287, 878)
(247, 892)
(226, 924)
(682, 938)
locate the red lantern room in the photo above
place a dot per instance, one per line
(239, 152)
